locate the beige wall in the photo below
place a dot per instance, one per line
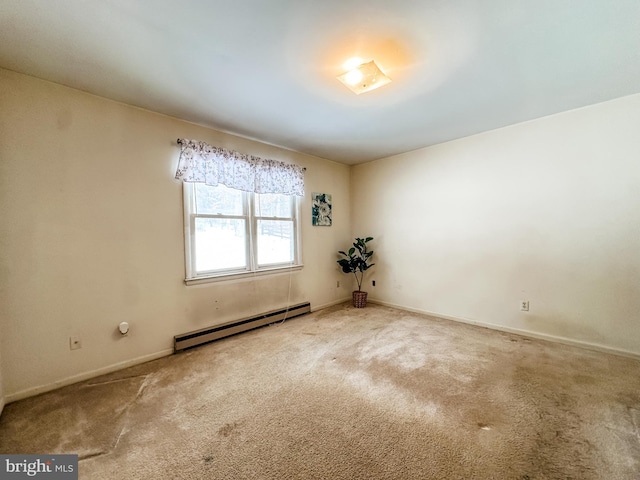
(546, 211)
(92, 234)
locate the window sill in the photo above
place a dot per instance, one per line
(242, 275)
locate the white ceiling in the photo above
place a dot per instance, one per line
(265, 69)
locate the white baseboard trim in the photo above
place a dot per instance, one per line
(330, 304)
(525, 333)
(30, 392)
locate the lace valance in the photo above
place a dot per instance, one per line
(203, 163)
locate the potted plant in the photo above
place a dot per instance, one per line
(357, 262)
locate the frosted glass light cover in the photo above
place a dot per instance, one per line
(370, 78)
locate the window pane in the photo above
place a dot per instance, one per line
(275, 241)
(218, 200)
(273, 205)
(220, 244)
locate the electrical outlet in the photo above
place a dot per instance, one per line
(524, 306)
(75, 343)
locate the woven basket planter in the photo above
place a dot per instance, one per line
(359, 299)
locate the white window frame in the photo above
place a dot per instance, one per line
(251, 243)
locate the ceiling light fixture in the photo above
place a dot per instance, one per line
(363, 77)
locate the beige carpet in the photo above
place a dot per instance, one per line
(348, 393)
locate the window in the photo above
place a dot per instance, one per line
(231, 232)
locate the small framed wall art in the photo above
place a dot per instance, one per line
(321, 209)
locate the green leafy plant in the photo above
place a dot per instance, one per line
(357, 259)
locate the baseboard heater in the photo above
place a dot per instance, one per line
(206, 335)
